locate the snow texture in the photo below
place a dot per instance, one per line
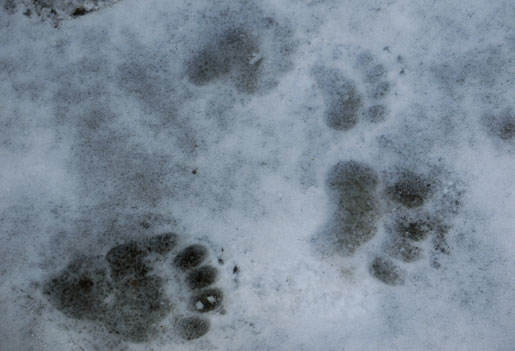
(257, 175)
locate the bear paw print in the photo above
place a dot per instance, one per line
(413, 207)
(125, 292)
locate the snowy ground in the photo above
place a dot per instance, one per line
(347, 165)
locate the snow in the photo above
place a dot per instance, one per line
(102, 126)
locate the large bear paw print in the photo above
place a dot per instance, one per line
(137, 285)
(415, 210)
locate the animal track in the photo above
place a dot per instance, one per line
(501, 125)
(345, 103)
(386, 271)
(353, 187)
(251, 56)
(123, 292)
(342, 98)
(360, 199)
(234, 54)
(375, 75)
(409, 190)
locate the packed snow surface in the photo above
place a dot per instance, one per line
(257, 175)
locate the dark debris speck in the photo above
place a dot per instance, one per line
(79, 11)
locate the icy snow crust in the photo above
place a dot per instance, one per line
(273, 175)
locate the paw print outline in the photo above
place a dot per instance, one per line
(123, 292)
